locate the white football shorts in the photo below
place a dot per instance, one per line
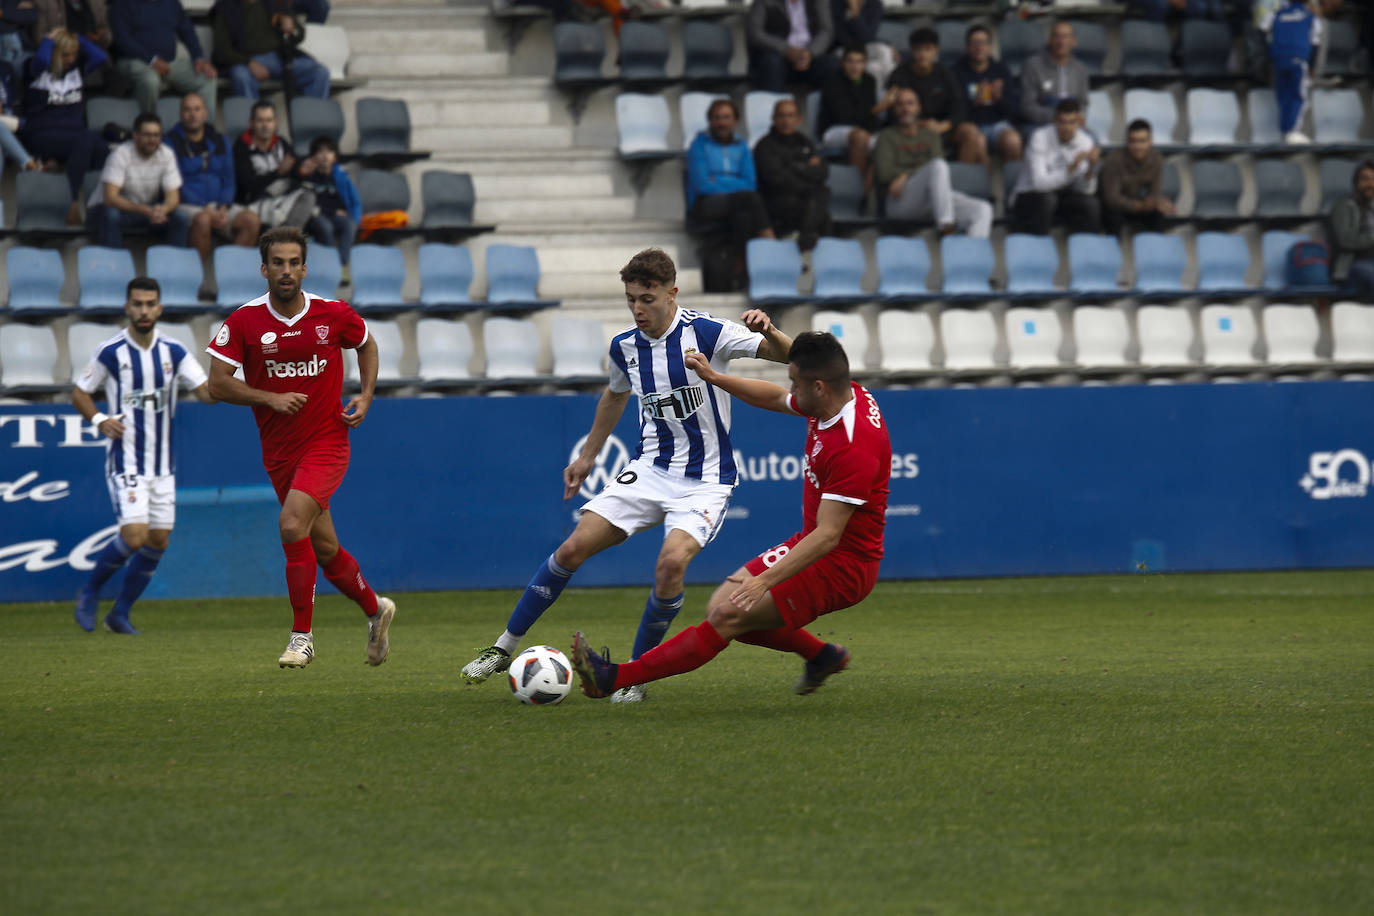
(642, 496)
(142, 500)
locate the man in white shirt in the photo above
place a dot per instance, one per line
(140, 189)
(1058, 183)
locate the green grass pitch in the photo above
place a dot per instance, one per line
(1151, 744)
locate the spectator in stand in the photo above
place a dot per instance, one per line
(857, 22)
(17, 17)
(791, 176)
(207, 181)
(90, 18)
(1131, 183)
(258, 39)
(1352, 234)
(338, 207)
(721, 182)
(910, 167)
(1294, 28)
(9, 123)
(54, 123)
(851, 111)
(140, 189)
(1052, 75)
(265, 173)
(788, 40)
(1058, 185)
(940, 95)
(990, 92)
(156, 48)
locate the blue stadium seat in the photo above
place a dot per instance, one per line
(1223, 260)
(1213, 117)
(775, 266)
(324, 271)
(104, 274)
(579, 48)
(691, 111)
(238, 275)
(104, 109)
(1094, 264)
(42, 200)
(169, 111)
(237, 111)
(707, 48)
(758, 113)
(1342, 44)
(449, 200)
(383, 127)
(35, 276)
(1336, 116)
(513, 277)
(903, 266)
(379, 273)
(311, 118)
(445, 275)
(967, 264)
(178, 271)
(1216, 189)
(971, 179)
(1032, 261)
(1274, 247)
(642, 121)
(381, 190)
(1280, 187)
(1145, 48)
(1337, 178)
(838, 266)
(846, 186)
(27, 357)
(1159, 263)
(1017, 40)
(1101, 117)
(644, 51)
(1091, 47)
(1156, 106)
(1262, 109)
(896, 33)
(951, 35)
(1204, 47)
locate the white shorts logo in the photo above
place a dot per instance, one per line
(610, 461)
(1323, 478)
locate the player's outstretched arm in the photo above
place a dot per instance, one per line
(608, 411)
(776, 345)
(752, 391)
(230, 390)
(831, 518)
(356, 408)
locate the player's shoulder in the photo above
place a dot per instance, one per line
(111, 343)
(176, 347)
(697, 316)
(251, 310)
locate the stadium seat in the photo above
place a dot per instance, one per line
(1145, 48)
(951, 35)
(644, 51)
(579, 49)
(513, 277)
(1342, 46)
(580, 352)
(1352, 332)
(707, 48)
(846, 186)
(1032, 262)
(850, 330)
(1262, 110)
(1223, 260)
(1336, 116)
(1033, 338)
(1169, 181)
(82, 339)
(970, 178)
(1213, 117)
(103, 109)
(642, 121)
(311, 118)
(104, 274)
(28, 354)
(390, 349)
(1101, 117)
(1159, 262)
(444, 349)
(1290, 334)
(1216, 189)
(896, 33)
(35, 276)
(758, 113)
(967, 265)
(328, 44)
(511, 345)
(907, 340)
(691, 110)
(1101, 336)
(238, 275)
(237, 112)
(169, 112)
(1094, 264)
(448, 198)
(775, 266)
(324, 273)
(1337, 180)
(838, 266)
(42, 200)
(903, 266)
(1091, 47)
(1017, 40)
(1165, 333)
(1274, 247)
(383, 127)
(1279, 187)
(1228, 335)
(1156, 106)
(969, 337)
(379, 273)
(1204, 47)
(445, 275)
(178, 271)
(381, 190)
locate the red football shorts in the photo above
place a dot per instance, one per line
(318, 471)
(835, 581)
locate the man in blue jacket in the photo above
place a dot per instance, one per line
(207, 181)
(721, 184)
(156, 48)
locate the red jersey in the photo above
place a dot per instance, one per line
(302, 354)
(849, 458)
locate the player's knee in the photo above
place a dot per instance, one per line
(135, 536)
(292, 529)
(158, 538)
(669, 573)
(725, 617)
(571, 554)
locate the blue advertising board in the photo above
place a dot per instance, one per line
(466, 492)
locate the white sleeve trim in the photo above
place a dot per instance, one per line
(217, 355)
(844, 499)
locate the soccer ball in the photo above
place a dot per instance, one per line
(540, 676)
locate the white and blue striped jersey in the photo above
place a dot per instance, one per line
(684, 422)
(142, 385)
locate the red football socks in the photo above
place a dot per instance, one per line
(785, 639)
(687, 651)
(300, 582)
(343, 573)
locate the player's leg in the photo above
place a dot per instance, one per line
(129, 496)
(343, 572)
(299, 511)
(152, 544)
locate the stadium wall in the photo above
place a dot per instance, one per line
(465, 492)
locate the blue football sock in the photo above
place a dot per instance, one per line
(109, 561)
(539, 595)
(653, 626)
(140, 573)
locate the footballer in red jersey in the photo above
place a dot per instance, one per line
(289, 345)
(832, 563)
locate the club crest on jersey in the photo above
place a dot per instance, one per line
(322, 332)
(678, 404)
(269, 342)
(817, 449)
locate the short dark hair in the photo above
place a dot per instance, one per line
(1067, 106)
(147, 284)
(855, 47)
(1138, 124)
(924, 36)
(718, 102)
(259, 104)
(282, 235)
(320, 143)
(146, 117)
(1367, 165)
(818, 355)
(651, 266)
(975, 29)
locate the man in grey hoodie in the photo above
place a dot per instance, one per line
(1352, 233)
(1052, 75)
